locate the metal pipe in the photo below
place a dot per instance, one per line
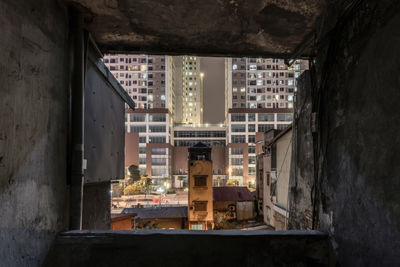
(77, 121)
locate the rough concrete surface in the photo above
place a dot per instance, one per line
(191, 248)
(358, 77)
(209, 27)
(33, 129)
(96, 206)
(302, 172)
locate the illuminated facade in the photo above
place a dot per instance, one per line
(192, 91)
(260, 94)
(200, 203)
(150, 81)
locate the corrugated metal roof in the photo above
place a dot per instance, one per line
(232, 193)
(158, 212)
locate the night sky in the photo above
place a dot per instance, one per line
(214, 89)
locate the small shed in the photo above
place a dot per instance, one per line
(122, 221)
(159, 217)
(233, 202)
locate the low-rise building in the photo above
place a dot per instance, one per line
(122, 221)
(275, 165)
(200, 188)
(263, 165)
(158, 217)
(233, 203)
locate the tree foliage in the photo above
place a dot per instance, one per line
(142, 186)
(221, 223)
(134, 174)
(232, 182)
(132, 189)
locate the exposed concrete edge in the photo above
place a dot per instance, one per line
(182, 248)
(272, 233)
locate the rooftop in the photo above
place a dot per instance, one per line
(282, 133)
(199, 127)
(232, 193)
(158, 212)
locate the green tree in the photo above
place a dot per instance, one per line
(252, 185)
(232, 182)
(134, 174)
(221, 223)
(146, 185)
(132, 189)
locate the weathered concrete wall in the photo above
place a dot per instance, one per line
(283, 158)
(358, 77)
(33, 128)
(96, 206)
(191, 248)
(249, 27)
(302, 163)
(200, 193)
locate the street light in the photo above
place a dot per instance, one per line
(230, 172)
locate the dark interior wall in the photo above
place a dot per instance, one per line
(217, 248)
(33, 128)
(302, 164)
(96, 206)
(358, 76)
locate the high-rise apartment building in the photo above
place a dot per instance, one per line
(150, 81)
(260, 94)
(192, 91)
(169, 90)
